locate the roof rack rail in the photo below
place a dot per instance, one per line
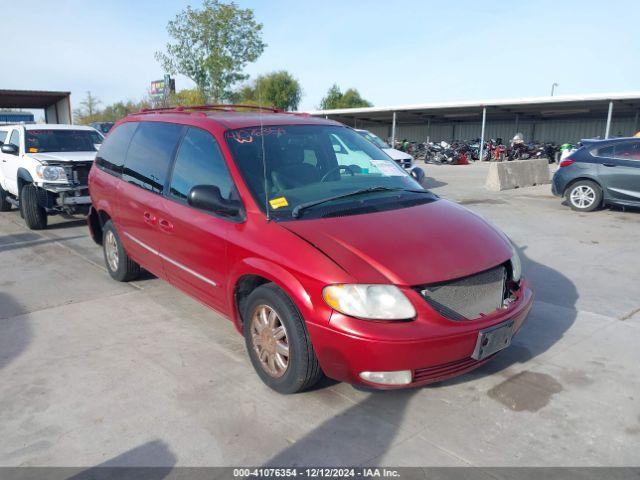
(200, 108)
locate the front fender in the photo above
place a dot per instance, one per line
(301, 297)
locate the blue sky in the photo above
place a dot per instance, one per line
(393, 52)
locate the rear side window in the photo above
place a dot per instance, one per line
(199, 162)
(150, 153)
(621, 151)
(110, 157)
(3, 135)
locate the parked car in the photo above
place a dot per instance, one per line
(325, 266)
(403, 159)
(102, 127)
(601, 172)
(44, 170)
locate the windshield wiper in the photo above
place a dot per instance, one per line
(295, 213)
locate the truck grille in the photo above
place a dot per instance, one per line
(470, 297)
(78, 174)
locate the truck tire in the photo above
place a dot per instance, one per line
(119, 264)
(34, 215)
(5, 206)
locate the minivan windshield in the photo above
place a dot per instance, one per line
(319, 170)
(51, 140)
(376, 140)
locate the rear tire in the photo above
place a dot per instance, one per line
(584, 196)
(119, 265)
(5, 206)
(34, 215)
(283, 339)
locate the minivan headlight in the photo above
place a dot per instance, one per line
(51, 174)
(371, 301)
(516, 264)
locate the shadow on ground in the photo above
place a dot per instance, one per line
(15, 331)
(155, 456)
(18, 241)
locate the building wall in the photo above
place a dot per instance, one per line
(558, 131)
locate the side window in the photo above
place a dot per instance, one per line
(110, 157)
(3, 135)
(627, 151)
(150, 154)
(15, 138)
(199, 162)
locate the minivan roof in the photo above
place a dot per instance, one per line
(232, 119)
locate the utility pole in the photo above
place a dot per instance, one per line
(553, 87)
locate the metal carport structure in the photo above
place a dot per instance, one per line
(56, 105)
(559, 118)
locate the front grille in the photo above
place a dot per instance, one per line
(78, 174)
(446, 369)
(470, 297)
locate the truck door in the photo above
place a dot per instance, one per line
(9, 163)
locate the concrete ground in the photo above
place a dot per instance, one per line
(94, 372)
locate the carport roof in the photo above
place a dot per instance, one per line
(30, 98)
(561, 106)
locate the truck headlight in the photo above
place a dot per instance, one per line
(376, 302)
(51, 174)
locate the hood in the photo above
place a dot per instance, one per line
(56, 157)
(429, 243)
(397, 154)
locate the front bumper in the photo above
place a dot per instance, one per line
(343, 354)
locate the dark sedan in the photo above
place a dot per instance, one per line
(601, 172)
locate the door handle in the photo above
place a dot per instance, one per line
(166, 225)
(609, 164)
(150, 218)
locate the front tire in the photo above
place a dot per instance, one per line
(119, 265)
(5, 206)
(278, 342)
(584, 196)
(34, 215)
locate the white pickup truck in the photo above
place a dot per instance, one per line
(44, 170)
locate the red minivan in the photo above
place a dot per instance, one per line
(325, 254)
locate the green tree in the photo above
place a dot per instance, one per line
(349, 99)
(87, 110)
(277, 89)
(212, 45)
(187, 97)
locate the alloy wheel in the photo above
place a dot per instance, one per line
(583, 196)
(269, 340)
(111, 250)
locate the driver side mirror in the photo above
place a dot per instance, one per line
(208, 198)
(9, 149)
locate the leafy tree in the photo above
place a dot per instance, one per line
(212, 45)
(88, 107)
(278, 89)
(187, 97)
(349, 99)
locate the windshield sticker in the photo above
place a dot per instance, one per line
(33, 150)
(278, 202)
(387, 167)
(247, 135)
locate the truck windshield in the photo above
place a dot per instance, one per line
(377, 141)
(309, 163)
(38, 141)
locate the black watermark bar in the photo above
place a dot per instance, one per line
(239, 473)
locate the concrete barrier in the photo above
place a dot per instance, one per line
(517, 174)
